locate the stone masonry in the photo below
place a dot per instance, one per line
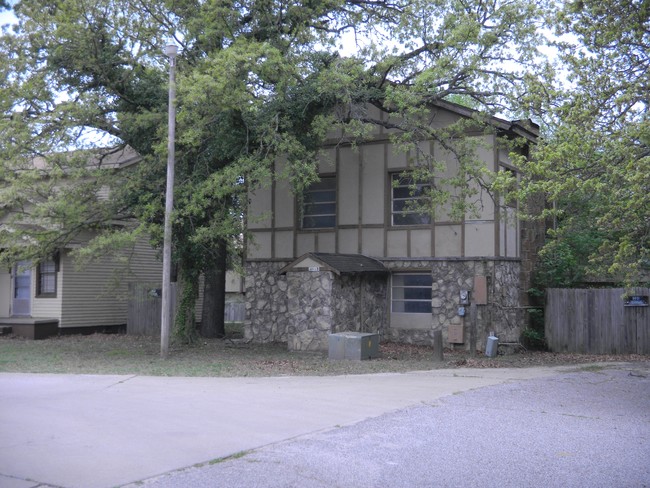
(502, 315)
(303, 308)
(267, 311)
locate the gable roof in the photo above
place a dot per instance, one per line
(525, 128)
(337, 263)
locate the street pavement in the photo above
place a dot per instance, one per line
(439, 428)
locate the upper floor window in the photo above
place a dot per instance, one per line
(319, 204)
(406, 196)
(46, 277)
(509, 200)
(411, 293)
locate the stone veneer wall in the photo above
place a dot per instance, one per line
(311, 310)
(502, 315)
(267, 310)
(301, 308)
(360, 303)
(321, 303)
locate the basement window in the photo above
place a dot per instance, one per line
(411, 293)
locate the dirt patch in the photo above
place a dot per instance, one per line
(121, 354)
(508, 357)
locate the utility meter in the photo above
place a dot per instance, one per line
(464, 297)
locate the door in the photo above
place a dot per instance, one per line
(21, 303)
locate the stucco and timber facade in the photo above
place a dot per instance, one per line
(439, 257)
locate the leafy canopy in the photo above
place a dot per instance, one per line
(595, 160)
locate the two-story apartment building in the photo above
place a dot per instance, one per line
(353, 254)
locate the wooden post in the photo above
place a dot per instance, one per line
(472, 329)
(437, 346)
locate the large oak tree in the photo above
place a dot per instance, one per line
(256, 79)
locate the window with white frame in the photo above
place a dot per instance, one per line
(319, 204)
(406, 194)
(411, 293)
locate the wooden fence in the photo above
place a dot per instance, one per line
(145, 306)
(145, 303)
(598, 321)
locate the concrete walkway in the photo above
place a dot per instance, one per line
(105, 431)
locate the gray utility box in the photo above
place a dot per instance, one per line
(353, 345)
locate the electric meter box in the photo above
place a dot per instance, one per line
(455, 334)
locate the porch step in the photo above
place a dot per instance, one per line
(31, 328)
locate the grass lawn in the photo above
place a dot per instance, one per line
(131, 355)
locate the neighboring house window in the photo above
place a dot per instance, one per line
(46, 278)
(319, 204)
(411, 293)
(406, 195)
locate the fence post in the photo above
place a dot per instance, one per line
(437, 346)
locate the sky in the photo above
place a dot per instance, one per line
(7, 17)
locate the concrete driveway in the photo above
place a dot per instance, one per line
(415, 429)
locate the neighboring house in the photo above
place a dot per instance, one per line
(54, 295)
(356, 257)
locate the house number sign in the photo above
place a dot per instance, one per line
(314, 268)
(636, 301)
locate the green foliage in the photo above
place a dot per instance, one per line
(262, 83)
(533, 338)
(596, 151)
(565, 260)
(255, 80)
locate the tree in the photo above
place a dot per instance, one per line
(257, 79)
(596, 152)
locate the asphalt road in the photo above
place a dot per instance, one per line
(446, 428)
(584, 429)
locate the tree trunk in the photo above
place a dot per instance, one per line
(185, 320)
(214, 295)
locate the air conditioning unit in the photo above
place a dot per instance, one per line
(353, 345)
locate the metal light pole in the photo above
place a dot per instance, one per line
(166, 316)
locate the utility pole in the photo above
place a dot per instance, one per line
(165, 324)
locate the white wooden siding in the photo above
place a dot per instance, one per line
(91, 298)
(48, 307)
